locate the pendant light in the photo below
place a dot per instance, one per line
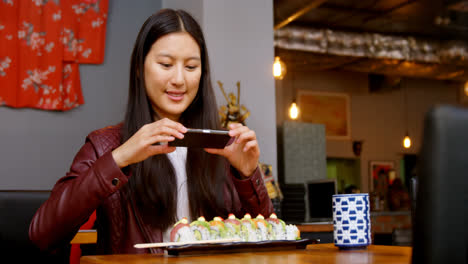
(293, 109)
(279, 69)
(406, 139)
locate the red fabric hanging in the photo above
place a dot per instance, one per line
(41, 44)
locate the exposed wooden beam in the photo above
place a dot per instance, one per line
(313, 4)
(390, 10)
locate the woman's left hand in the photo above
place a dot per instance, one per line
(244, 152)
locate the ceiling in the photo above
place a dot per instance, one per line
(441, 21)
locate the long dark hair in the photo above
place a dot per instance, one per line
(153, 185)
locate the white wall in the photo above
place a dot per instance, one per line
(376, 118)
(239, 35)
(37, 147)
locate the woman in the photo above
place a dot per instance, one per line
(140, 186)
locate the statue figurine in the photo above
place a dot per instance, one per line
(233, 112)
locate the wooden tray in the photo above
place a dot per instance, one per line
(239, 247)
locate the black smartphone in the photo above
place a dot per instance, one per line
(202, 138)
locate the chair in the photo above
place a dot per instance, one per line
(441, 213)
(16, 211)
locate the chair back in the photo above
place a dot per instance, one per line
(17, 209)
(440, 232)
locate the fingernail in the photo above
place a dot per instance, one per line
(181, 135)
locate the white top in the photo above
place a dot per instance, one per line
(178, 159)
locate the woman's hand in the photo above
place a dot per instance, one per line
(143, 143)
(244, 152)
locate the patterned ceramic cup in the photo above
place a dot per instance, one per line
(351, 220)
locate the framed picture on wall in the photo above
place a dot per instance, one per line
(270, 183)
(330, 109)
(379, 175)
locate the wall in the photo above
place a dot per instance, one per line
(37, 147)
(376, 118)
(239, 36)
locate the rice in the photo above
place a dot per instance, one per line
(201, 229)
(200, 232)
(262, 232)
(218, 229)
(249, 233)
(292, 233)
(184, 234)
(249, 229)
(232, 230)
(278, 231)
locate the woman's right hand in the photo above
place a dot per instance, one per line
(143, 143)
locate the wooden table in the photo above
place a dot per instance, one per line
(320, 253)
(86, 236)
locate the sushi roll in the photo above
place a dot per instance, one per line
(249, 229)
(263, 228)
(278, 227)
(217, 228)
(292, 233)
(181, 232)
(233, 226)
(200, 229)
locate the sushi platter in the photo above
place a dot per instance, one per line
(232, 235)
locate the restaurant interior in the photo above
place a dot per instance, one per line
(339, 93)
(388, 62)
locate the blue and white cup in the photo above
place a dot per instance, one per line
(351, 220)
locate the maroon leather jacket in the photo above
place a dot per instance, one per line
(94, 182)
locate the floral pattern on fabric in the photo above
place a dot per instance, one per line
(4, 65)
(35, 79)
(42, 43)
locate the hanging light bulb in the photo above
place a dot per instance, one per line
(407, 139)
(407, 142)
(279, 69)
(293, 111)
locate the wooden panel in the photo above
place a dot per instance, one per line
(315, 228)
